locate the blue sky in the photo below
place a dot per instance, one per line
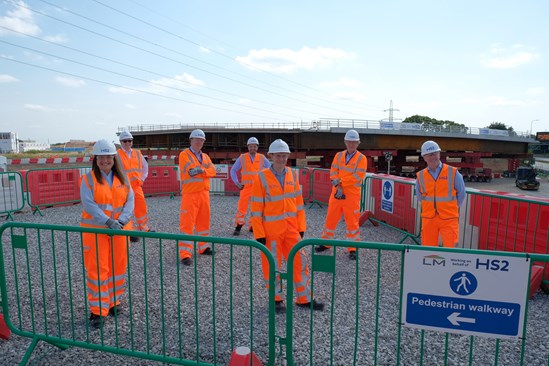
(82, 69)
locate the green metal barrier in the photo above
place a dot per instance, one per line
(12, 197)
(362, 322)
(188, 315)
(48, 187)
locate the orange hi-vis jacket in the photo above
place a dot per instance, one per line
(111, 200)
(132, 166)
(200, 182)
(438, 196)
(351, 174)
(275, 209)
(250, 169)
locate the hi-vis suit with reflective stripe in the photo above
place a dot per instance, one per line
(194, 217)
(105, 257)
(351, 175)
(134, 165)
(249, 171)
(439, 207)
(278, 215)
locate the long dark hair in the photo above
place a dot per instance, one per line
(116, 169)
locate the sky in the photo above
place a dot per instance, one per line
(85, 69)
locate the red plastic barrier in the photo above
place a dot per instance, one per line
(305, 181)
(162, 180)
(53, 187)
(322, 186)
(404, 213)
(230, 187)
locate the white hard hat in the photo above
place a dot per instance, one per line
(279, 146)
(104, 147)
(352, 135)
(252, 140)
(429, 147)
(198, 134)
(125, 135)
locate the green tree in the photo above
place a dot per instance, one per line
(499, 126)
(433, 124)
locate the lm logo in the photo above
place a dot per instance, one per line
(434, 260)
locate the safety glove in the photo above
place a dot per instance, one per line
(336, 182)
(113, 224)
(302, 234)
(339, 194)
(262, 240)
(239, 185)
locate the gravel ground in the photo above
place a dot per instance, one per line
(173, 326)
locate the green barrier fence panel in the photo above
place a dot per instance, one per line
(12, 197)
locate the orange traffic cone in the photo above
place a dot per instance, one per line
(242, 356)
(4, 330)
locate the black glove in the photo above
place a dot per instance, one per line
(262, 241)
(113, 224)
(302, 234)
(123, 223)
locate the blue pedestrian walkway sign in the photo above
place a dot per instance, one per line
(474, 294)
(387, 195)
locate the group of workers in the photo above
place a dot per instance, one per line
(112, 197)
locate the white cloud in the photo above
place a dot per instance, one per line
(507, 58)
(288, 61)
(244, 101)
(340, 83)
(39, 108)
(536, 91)
(163, 86)
(58, 38)
(19, 19)
(70, 82)
(5, 78)
(129, 106)
(204, 49)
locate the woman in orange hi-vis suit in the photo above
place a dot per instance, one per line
(195, 169)
(136, 169)
(347, 173)
(248, 165)
(278, 221)
(107, 200)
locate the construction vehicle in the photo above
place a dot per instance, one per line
(526, 178)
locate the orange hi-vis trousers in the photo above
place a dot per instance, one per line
(243, 204)
(448, 229)
(194, 219)
(350, 209)
(140, 208)
(280, 246)
(106, 261)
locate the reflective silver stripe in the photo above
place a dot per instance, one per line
(255, 214)
(90, 180)
(256, 199)
(300, 207)
(95, 294)
(93, 282)
(88, 221)
(450, 182)
(273, 218)
(207, 165)
(203, 233)
(100, 304)
(105, 207)
(421, 182)
(304, 278)
(347, 169)
(192, 180)
(263, 180)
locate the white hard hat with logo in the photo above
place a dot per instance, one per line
(252, 140)
(104, 147)
(125, 135)
(279, 146)
(198, 134)
(429, 147)
(352, 135)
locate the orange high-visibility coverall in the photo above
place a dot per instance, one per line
(248, 173)
(133, 167)
(439, 207)
(105, 257)
(351, 175)
(194, 217)
(278, 215)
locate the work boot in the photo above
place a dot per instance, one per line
(187, 261)
(134, 239)
(315, 305)
(236, 231)
(352, 255)
(207, 251)
(97, 321)
(279, 306)
(321, 248)
(115, 310)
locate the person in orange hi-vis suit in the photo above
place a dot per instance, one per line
(248, 164)
(136, 169)
(278, 221)
(195, 169)
(347, 173)
(441, 191)
(108, 202)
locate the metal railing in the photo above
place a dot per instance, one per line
(12, 198)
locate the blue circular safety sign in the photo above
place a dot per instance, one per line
(463, 283)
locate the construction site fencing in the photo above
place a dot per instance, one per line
(163, 180)
(12, 197)
(321, 186)
(172, 313)
(365, 322)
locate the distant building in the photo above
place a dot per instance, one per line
(73, 146)
(31, 145)
(8, 143)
